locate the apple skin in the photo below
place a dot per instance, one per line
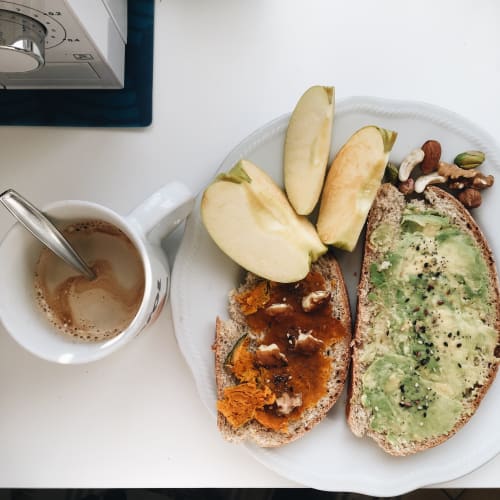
(307, 147)
(250, 219)
(352, 184)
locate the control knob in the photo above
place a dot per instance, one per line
(22, 43)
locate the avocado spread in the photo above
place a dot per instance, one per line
(431, 346)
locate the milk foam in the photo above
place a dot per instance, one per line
(92, 310)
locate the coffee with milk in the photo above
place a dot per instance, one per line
(94, 310)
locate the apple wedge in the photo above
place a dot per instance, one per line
(351, 186)
(250, 219)
(307, 147)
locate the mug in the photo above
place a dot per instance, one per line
(145, 226)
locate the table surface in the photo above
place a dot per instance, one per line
(222, 69)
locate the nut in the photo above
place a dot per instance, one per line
(479, 181)
(307, 344)
(285, 404)
(425, 180)
(391, 173)
(482, 181)
(470, 198)
(458, 185)
(469, 159)
(432, 155)
(279, 310)
(413, 159)
(453, 172)
(407, 187)
(270, 356)
(314, 299)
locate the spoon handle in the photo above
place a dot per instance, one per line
(43, 229)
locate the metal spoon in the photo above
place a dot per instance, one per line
(42, 228)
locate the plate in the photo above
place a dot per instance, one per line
(330, 457)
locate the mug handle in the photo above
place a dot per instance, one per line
(163, 211)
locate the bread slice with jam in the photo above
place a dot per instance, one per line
(281, 359)
(425, 348)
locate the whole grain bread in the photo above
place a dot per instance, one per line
(229, 331)
(388, 207)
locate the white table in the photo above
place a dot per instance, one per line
(222, 69)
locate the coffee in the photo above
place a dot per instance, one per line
(92, 310)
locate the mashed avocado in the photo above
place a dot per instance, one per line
(430, 344)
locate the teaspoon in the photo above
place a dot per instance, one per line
(42, 228)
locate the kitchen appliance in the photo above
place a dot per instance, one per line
(62, 44)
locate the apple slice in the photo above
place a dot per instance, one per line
(307, 147)
(250, 219)
(351, 186)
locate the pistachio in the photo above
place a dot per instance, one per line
(469, 159)
(391, 173)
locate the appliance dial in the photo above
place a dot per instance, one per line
(22, 43)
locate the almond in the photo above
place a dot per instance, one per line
(432, 155)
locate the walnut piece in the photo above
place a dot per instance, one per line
(286, 403)
(482, 181)
(270, 356)
(314, 299)
(279, 310)
(453, 172)
(479, 181)
(307, 344)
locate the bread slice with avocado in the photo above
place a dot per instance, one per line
(425, 348)
(282, 357)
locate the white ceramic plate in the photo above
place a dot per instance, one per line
(330, 457)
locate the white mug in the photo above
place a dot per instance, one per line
(145, 226)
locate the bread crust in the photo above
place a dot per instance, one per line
(388, 206)
(229, 331)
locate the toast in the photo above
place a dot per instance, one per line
(425, 348)
(282, 358)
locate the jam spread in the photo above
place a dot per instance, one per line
(289, 370)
